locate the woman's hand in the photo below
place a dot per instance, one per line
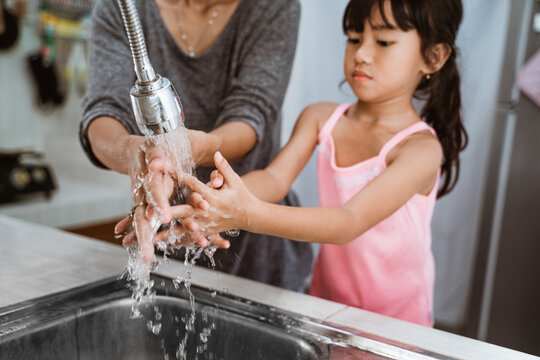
(217, 210)
(154, 180)
(156, 175)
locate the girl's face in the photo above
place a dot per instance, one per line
(384, 64)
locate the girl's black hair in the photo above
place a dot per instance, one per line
(436, 21)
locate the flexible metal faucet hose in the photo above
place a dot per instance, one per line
(143, 68)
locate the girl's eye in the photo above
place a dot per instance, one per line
(384, 43)
(353, 41)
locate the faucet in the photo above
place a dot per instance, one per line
(156, 105)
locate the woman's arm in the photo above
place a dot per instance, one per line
(413, 168)
(108, 124)
(262, 64)
(112, 144)
(233, 139)
(249, 110)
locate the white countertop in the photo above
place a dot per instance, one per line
(37, 260)
(74, 203)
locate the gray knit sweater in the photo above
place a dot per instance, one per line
(242, 77)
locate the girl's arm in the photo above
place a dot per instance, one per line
(412, 170)
(274, 182)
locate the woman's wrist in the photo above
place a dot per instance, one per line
(203, 147)
(213, 144)
(132, 145)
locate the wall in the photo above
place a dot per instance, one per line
(52, 131)
(20, 126)
(317, 74)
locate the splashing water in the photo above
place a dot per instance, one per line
(175, 145)
(178, 155)
(137, 273)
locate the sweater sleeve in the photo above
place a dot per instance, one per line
(110, 76)
(257, 90)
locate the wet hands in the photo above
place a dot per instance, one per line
(219, 207)
(154, 177)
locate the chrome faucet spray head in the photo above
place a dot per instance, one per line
(156, 105)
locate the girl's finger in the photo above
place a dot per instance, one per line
(196, 200)
(165, 236)
(190, 224)
(194, 184)
(202, 241)
(218, 241)
(216, 179)
(225, 168)
(182, 237)
(182, 211)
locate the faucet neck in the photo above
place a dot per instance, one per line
(143, 68)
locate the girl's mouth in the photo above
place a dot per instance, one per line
(361, 76)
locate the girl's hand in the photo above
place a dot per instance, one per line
(216, 182)
(216, 179)
(180, 235)
(217, 210)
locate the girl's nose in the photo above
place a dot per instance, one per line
(364, 53)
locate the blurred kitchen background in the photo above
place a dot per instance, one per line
(486, 233)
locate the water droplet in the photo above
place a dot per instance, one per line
(154, 328)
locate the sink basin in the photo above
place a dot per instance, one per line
(93, 322)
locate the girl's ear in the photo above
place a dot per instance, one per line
(437, 56)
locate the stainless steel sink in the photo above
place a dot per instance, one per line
(93, 322)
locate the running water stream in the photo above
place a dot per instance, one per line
(175, 146)
(160, 117)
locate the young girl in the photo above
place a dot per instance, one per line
(379, 163)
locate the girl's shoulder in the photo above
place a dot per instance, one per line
(422, 144)
(318, 113)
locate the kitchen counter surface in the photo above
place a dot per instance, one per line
(37, 260)
(75, 203)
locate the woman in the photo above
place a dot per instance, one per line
(230, 61)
